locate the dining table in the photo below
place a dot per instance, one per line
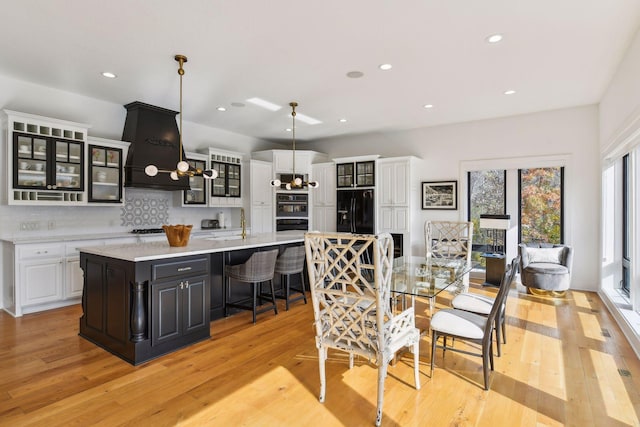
(419, 276)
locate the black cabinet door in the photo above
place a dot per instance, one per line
(178, 308)
(194, 305)
(165, 312)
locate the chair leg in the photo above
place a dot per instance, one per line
(486, 354)
(496, 326)
(322, 356)
(304, 288)
(255, 299)
(504, 329)
(382, 374)
(416, 364)
(287, 290)
(273, 297)
(434, 337)
(226, 292)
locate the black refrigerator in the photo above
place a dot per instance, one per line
(356, 211)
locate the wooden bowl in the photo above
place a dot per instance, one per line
(178, 235)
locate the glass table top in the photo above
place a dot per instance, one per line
(417, 276)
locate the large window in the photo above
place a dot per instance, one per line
(487, 195)
(541, 205)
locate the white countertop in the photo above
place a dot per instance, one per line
(43, 237)
(161, 250)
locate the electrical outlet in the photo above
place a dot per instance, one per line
(29, 226)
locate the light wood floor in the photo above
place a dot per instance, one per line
(566, 363)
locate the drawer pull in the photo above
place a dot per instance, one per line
(184, 268)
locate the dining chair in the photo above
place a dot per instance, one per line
(469, 327)
(351, 303)
(259, 268)
(449, 239)
(481, 304)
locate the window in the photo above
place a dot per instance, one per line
(626, 233)
(487, 195)
(541, 205)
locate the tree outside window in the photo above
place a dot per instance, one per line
(541, 205)
(487, 195)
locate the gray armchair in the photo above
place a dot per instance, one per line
(545, 266)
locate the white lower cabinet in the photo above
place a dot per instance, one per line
(394, 219)
(42, 276)
(42, 281)
(74, 279)
(324, 218)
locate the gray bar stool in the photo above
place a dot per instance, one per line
(290, 262)
(259, 268)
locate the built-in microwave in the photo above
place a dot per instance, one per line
(292, 205)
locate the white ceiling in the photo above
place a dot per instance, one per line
(555, 54)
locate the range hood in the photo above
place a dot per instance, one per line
(155, 139)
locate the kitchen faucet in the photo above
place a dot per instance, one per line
(243, 224)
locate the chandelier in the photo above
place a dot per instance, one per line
(296, 181)
(182, 167)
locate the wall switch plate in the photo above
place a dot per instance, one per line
(30, 226)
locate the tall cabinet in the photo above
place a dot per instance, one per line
(261, 197)
(397, 196)
(324, 197)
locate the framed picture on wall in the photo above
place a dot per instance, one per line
(440, 195)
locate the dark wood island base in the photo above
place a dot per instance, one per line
(140, 310)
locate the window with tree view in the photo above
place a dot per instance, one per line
(541, 205)
(487, 195)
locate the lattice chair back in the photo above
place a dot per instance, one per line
(350, 282)
(449, 239)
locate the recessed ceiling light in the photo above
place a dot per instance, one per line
(355, 74)
(385, 67)
(221, 109)
(288, 129)
(509, 92)
(494, 38)
(428, 106)
(109, 75)
(343, 120)
(264, 104)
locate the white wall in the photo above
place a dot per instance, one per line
(569, 133)
(620, 104)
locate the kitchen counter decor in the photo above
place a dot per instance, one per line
(178, 235)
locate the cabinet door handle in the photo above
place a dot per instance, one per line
(186, 284)
(181, 285)
(184, 268)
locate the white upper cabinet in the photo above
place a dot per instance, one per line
(394, 182)
(283, 160)
(325, 174)
(46, 161)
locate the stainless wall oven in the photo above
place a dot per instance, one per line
(292, 205)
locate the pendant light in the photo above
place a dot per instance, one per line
(182, 168)
(296, 182)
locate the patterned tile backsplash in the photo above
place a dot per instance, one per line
(145, 211)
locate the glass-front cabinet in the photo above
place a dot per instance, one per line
(355, 174)
(105, 177)
(197, 194)
(226, 188)
(227, 184)
(47, 163)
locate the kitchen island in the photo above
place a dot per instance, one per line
(141, 301)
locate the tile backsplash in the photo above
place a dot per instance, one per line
(145, 211)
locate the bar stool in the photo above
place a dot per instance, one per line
(290, 262)
(259, 268)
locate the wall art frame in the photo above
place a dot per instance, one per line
(440, 195)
